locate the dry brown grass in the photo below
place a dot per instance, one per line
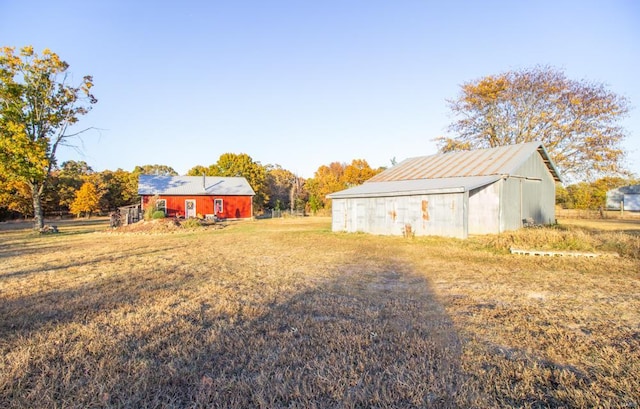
(574, 238)
(284, 313)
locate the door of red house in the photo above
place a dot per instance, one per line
(189, 208)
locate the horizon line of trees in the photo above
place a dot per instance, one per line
(75, 188)
(579, 122)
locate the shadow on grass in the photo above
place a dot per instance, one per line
(364, 339)
(336, 346)
(372, 334)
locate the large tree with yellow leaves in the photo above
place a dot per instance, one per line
(578, 121)
(37, 107)
(87, 200)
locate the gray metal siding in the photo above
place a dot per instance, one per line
(437, 214)
(521, 185)
(536, 192)
(484, 209)
(510, 205)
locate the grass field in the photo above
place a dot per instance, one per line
(285, 313)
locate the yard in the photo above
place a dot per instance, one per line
(285, 313)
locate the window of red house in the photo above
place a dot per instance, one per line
(161, 204)
(218, 206)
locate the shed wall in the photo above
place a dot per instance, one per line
(484, 209)
(529, 193)
(234, 207)
(437, 214)
(511, 204)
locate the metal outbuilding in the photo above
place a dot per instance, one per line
(624, 198)
(453, 194)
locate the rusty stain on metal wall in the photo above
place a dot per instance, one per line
(425, 210)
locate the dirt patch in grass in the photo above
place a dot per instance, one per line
(285, 313)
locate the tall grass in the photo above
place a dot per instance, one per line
(568, 238)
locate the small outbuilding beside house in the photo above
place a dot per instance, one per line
(454, 194)
(193, 196)
(624, 198)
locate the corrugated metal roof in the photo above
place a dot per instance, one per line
(194, 185)
(502, 160)
(416, 187)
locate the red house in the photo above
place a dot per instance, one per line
(190, 196)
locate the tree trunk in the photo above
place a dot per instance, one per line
(38, 213)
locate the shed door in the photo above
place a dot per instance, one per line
(189, 208)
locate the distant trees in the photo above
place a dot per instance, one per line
(15, 196)
(327, 179)
(157, 170)
(578, 121)
(87, 200)
(68, 180)
(358, 172)
(590, 195)
(76, 188)
(118, 188)
(285, 189)
(335, 177)
(232, 164)
(37, 107)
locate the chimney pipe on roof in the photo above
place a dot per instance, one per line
(204, 182)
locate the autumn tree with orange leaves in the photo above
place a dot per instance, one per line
(38, 105)
(87, 200)
(335, 177)
(577, 121)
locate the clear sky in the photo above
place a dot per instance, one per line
(306, 83)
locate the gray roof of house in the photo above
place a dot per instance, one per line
(450, 172)
(194, 186)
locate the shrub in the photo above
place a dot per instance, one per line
(150, 208)
(191, 223)
(158, 214)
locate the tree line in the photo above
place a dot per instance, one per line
(577, 120)
(75, 188)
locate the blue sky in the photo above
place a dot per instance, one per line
(306, 83)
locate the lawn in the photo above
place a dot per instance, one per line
(285, 313)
